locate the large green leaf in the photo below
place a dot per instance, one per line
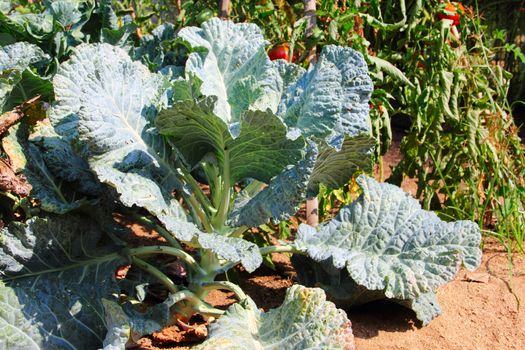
(29, 86)
(261, 149)
(257, 204)
(55, 274)
(63, 162)
(305, 320)
(328, 103)
(389, 247)
(111, 100)
(233, 66)
(331, 99)
(334, 168)
(47, 188)
(59, 178)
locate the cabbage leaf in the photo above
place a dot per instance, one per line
(55, 273)
(305, 320)
(389, 248)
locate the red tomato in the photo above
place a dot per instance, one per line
(279, 52)
(453, 11)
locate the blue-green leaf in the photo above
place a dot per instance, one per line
(233, 66)
(259, 148)
(55, 275)
(232, 249)
(388, 245)
(334, 168)
(62, 161)
(279, 200)
(331, 99)
(15, 61)
(46, 187)
(111, 101)
(328, 103)
(305, 320)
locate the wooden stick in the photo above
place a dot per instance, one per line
(309, 12)
(224, 9)
(312, 204)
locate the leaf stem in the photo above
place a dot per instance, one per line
(203, 218)
(280, 249)
(195, 304)
(238, 231)
(158, 249)
(264, 251)
(224, 285)
(199, 194)
(98, 260)
(152, 270)
(161, 230)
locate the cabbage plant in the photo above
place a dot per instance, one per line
(201, 144)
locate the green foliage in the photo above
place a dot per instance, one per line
(462, 145)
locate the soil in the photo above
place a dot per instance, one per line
(480, 310)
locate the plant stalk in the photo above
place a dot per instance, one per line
(152, 270)
(206, 287)
(224, 205)
(158, 228)
(188, 259)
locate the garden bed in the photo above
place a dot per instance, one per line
(479, 310)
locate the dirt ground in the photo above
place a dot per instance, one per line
(480, 310)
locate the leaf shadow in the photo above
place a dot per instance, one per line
(382, 315)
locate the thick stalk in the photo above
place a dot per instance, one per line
(210, 264)
(224, 205)
(152, 270)
(194, 304)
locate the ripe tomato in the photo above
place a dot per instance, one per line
(453, 11)
(279, 52)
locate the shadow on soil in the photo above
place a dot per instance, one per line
(369, 319)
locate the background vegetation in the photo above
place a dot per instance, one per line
(451, 89)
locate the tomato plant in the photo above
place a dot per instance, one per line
(452, 11)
